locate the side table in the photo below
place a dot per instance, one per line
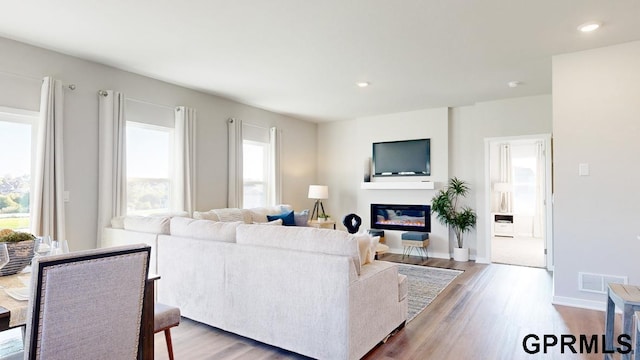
(627, 298)
(322, 224)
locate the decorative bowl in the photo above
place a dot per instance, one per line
(20, 255)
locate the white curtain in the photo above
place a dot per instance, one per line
(505, 173)
(184, 186)
(112, 177)
(47, 205)
(235, 163)
(274, 195)
(538, 217)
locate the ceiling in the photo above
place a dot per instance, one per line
(303, 58)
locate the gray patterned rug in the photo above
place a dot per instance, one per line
(425, 283)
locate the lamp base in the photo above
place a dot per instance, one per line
(316, 210)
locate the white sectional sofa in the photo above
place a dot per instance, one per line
(312, 291)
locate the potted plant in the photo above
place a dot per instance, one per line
(460, 219)
(20, 246)
(324, 217)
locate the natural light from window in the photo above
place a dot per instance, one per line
(255, 167)
(148, 168)
(15, 170)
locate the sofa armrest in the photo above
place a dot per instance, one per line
(375, 307)
(117, 237)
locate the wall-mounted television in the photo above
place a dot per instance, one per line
(402, 158)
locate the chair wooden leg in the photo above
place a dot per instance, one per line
(167, 337)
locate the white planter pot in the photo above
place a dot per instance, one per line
(460, 254)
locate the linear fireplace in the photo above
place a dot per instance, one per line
(401, 217)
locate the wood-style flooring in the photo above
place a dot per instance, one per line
(483, 314)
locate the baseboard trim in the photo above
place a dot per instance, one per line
(579, 303)
(482, 260)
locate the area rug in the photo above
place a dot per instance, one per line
(425, 283)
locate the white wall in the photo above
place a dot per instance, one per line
(457, 147)
(348, 149)
(469, 127)
(596, 121)
(81, 129)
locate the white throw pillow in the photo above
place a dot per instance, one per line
(206, 215)
(367, 247)
(373, 246)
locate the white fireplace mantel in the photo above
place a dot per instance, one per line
(398, 185)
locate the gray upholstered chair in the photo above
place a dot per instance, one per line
(164, 318)
(87, 304)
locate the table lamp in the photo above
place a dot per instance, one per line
(318, 192)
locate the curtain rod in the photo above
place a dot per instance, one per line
(28, 77)
(105, 93)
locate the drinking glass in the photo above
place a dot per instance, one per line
(59, 247)
(44, 246)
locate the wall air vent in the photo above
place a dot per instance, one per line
(597, 283)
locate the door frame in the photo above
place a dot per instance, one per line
(548, 185)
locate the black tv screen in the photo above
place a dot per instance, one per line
(402, 158)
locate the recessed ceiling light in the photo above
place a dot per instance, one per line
(513, 84)
(589, 26)
(362, 84)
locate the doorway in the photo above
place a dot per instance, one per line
(518, 200)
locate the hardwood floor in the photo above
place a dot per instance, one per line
(483, 314)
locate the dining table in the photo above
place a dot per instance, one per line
(13, 311)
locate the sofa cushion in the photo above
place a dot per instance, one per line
(286, 217)
(204, 229)
(259, 214)
(148, 224)
(326, 241)
(275, 222)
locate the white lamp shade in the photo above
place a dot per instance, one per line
(318, 192)
(502, 187)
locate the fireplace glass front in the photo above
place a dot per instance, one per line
(401, 217)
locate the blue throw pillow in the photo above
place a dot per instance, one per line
(287, 218)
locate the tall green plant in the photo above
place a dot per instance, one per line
(445, 206)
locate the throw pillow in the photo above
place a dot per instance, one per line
(301, 218)
(372, 249)
(288, 218)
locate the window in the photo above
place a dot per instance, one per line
(149, 154)
(17, 134)
(255, 172)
